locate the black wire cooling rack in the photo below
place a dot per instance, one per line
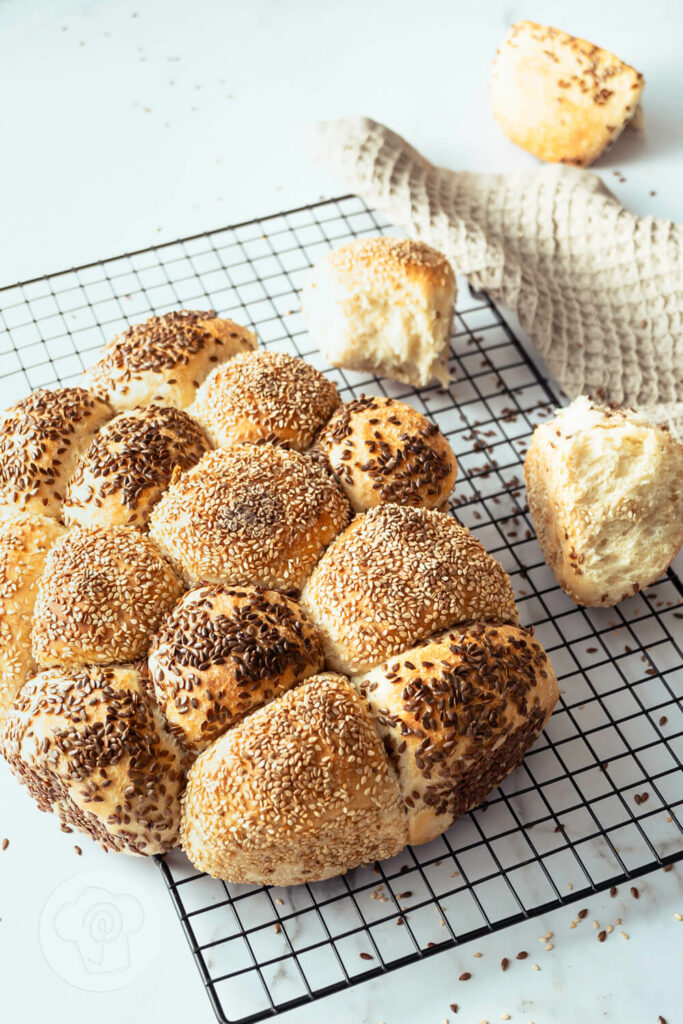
(598, 799)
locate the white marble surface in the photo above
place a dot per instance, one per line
(133, 123)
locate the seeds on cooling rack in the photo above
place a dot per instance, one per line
(366, 956)
(5, 844)
(635, 893)
(613, 891)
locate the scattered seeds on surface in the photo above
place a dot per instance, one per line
(618, 921)
(602, 935)
(5, 844)
(678, 917)
(613, 891)
(536, 967)
(522, 955)
(596, 924)
(366, 956)
(78, 850)
(609, 929)
(465, 976)
(635, 893)
(550, 946)
(454, 1007)
(582, 914)
(504, 964)
(278, 928)
(477, 955)
(624, 935)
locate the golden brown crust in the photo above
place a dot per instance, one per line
(396, 575)
(165, 359)
(223, 652)
(129, 465)
(255, 514)
(385, 452)
(299, 791)
(91, 747)
(41, 438)
(24, 543)
(265, 395)
(561, 98)
(457, 714)
(102, 595)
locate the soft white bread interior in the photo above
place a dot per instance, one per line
(92, 748)
(384, 305)
(395, 576)
(129, 465)
(299, 791)
(41, 439)
(457, 714)
(385, 452)
(224, 651)
(165, 359)
(24, 543)
(561, 98)
(605, 492)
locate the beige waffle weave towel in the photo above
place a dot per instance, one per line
(598, 290)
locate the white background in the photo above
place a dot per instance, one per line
(126, 124)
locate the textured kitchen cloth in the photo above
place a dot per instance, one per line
(598, 290)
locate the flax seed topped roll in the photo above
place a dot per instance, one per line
(395, 576)
(93, 748)
(253, 513)
(224, 651)
(24, 543)
(297, 792)
(384, 305)
(268, 395)
(129, 465)
(102, 595)
(383, 451)
(41, 438)
(165, 359)
(457, 714)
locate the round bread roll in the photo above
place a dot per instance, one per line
(102, 595)
(165, 359)
(41, 439)
(265, 395)
(299, 791)
(224, 651)
(384, 305)
(24, 543)
(457, 714)
(93, 748)
(383, 451)
(395, 576)
(253, 513)
(129, 465)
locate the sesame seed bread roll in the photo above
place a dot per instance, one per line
(299, 791)
(91, 747)
(129, 465)
(384, 305)
(254, 513)
(395, 576)
(24, 543)
(165, 359)
(457, 714)
(41, 439)
(224, 651)
(561, 98)
(383, 451)
(605, 492)
(100, 598)
(265, 395)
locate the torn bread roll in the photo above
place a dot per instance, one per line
(559, 97)
(605, 492)
(457, 714)
(384, 305)
(165, 359)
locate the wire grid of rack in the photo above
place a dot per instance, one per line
(598, 799)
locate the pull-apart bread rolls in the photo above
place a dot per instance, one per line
(165, 359)
(100, 598)
(41, 439)
(605, 492)
(93, 748)
(224, 651)
(457, 714)
(395, 576)
(253, 513)
(129, 465)
(299, 791)
(265, 396)
(383, 451)
(24, 543)
(384, 305)
(561, 98)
